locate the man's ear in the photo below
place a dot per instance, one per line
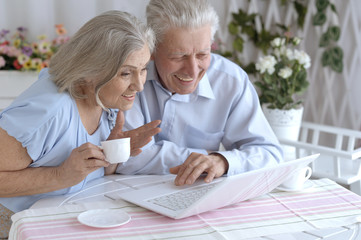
(152, 57)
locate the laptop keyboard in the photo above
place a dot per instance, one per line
(182, 199)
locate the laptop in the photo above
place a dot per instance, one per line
(183, 201)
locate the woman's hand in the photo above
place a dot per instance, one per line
(18, 179)
(82, 161)
(139, 137)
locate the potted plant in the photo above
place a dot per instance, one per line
(282, 79)
(282, 74)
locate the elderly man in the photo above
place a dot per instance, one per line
(202, 99)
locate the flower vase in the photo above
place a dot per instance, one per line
(12, 83)
(285, 124)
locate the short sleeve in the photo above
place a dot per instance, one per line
(38, 117)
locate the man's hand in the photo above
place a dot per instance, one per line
(215, 165)
(139, 137)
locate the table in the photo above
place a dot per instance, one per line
(325, 211)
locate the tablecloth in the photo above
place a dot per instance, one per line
(326, 204)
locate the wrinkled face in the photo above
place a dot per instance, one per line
(182, 58)
(119, 93)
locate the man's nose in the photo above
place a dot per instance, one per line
(192, 67)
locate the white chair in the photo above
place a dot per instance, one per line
(340, 149)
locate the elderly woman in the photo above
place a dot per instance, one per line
(49, 136)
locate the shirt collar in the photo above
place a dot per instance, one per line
(204, 88)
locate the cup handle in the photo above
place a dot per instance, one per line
(309, 173)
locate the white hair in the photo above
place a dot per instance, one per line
(165, 14)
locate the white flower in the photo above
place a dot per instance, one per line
(36, 62)
(289, 54)
(283, 50)
(22, 58)
(278, 42)
(44, 47)
(277, 53)
(296, 41)
(302, 58)
(266, 63)
(283, 41)
(285, 72)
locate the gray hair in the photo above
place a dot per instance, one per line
(98, 50)
(165, 14)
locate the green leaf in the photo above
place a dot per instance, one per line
(305, 85)
(337, 65)
(237, 17)
(282, 27)
(289, 99)
(227, 54)
(259, 85)
(321, 5)
(333, 8)
(233, 28)
(241, 18)
(301, 76)
(324, 40)
(250, 68)
(334, 33)
(251, 17)
(281, 99)
(319, 19)
(238, 44)
(270, 93)
(249, 30)
(326, 58)
(336, 52)
(301, 11)
(290, 91)
(267, 78)
(302, 87)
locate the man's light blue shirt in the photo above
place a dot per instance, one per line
(224, 109)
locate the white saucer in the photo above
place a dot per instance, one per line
(306, 185)
(104, 218)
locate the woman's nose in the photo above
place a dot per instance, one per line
(138, 82)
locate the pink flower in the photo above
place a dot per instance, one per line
(214, 46)
(61, 40)
(2, 62)
(60, 30)
(3, 49)
(13, 51)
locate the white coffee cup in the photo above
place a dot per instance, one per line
(297, 179)
(116, 150)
